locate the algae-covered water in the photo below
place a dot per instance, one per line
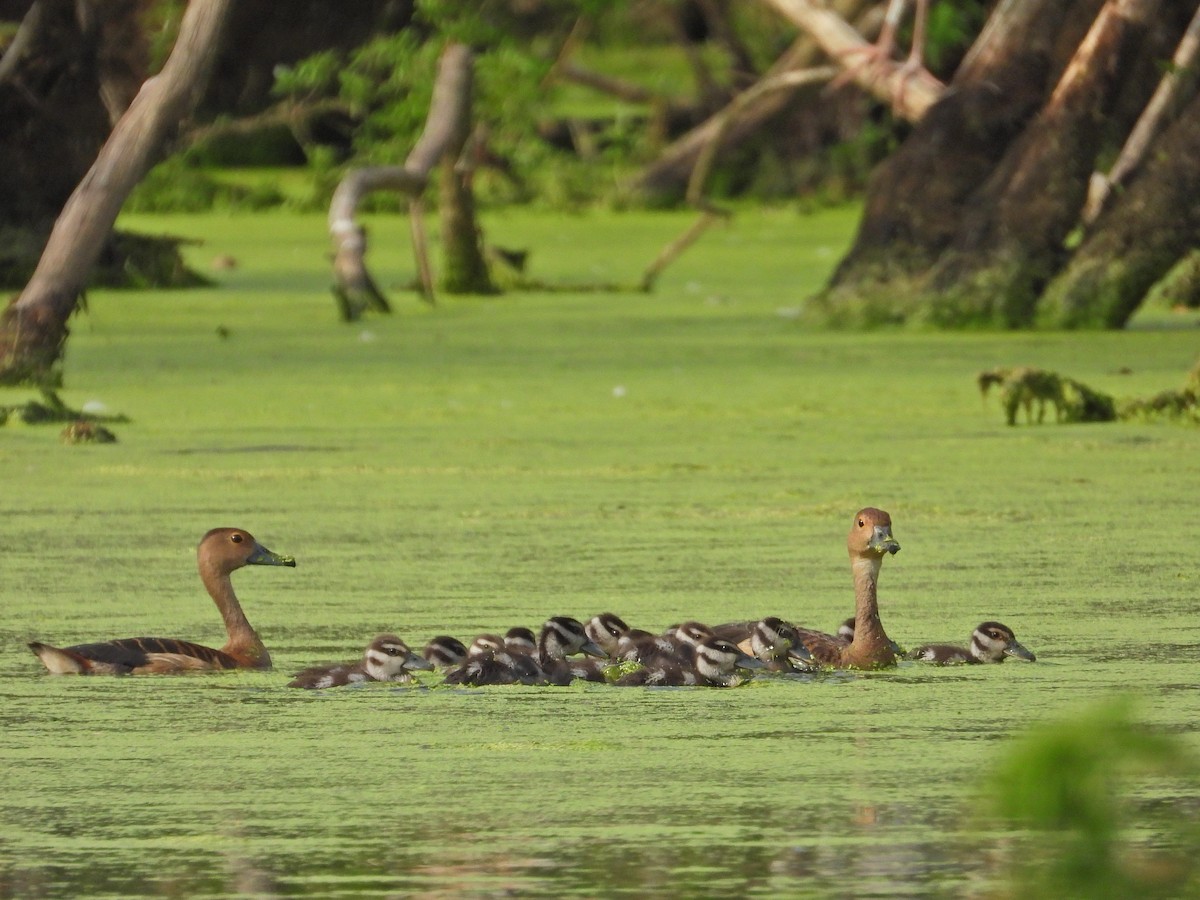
(688, 454)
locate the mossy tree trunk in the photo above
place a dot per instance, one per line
(464, 268)
(967, 222)
(33, 329)
(1010, 243)
(918, 197)
(1139, 237)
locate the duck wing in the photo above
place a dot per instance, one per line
(149, 655)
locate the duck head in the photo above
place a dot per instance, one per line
(871, 534)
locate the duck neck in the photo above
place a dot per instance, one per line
(871, 646)
(244, 642)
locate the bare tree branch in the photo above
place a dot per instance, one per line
(353, 286)
(910, 95)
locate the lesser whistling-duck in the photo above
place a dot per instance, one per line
(605, 630)
(870, 539)
(487, 662)
(714, 663)
(445, 651)
(387, 658)
(562, 636)
(221, 551)
(777, 644)
(991, 642)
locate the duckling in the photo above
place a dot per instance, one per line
(487, 662)
(561, 637)
(776, 644)
(714, 664)
(990, 643)
(445, 652)
(605, 630)
(520, 640)
(676, 644)
(387, 658)
(221, 552)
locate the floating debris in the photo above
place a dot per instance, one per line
(82, 431)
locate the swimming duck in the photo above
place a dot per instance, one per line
(714, 664)
(675, 645)
(777, 645)
(387, 658)
(561, 637)
(487, 662)
(991, 642)
(520, 640)
(444, 651)
(605, 630)
(221, 552)
(870, 539)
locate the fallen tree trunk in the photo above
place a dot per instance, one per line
(33, 329)
(443, 138)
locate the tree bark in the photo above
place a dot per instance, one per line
(465, 270)
(1174, 90)
(1011, 242)
(918, 197)
(910, 97)
(1149, 227)
(33, 329)
(448, 121)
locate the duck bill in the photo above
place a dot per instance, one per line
(748, 662)
(415, 661)
(264, 557)
(591, 648)
(799, 653)
(882, 540)
(1017, 649)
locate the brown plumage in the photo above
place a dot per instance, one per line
(869, 541)
(221, 552)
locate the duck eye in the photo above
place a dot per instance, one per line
(861, 523)
(237, 538)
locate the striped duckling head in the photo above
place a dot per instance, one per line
(605, 631)
(388, 658)
(717, 661)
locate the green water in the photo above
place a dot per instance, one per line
(687, 454)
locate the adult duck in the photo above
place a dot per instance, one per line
(870, 540)
(221, 552)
